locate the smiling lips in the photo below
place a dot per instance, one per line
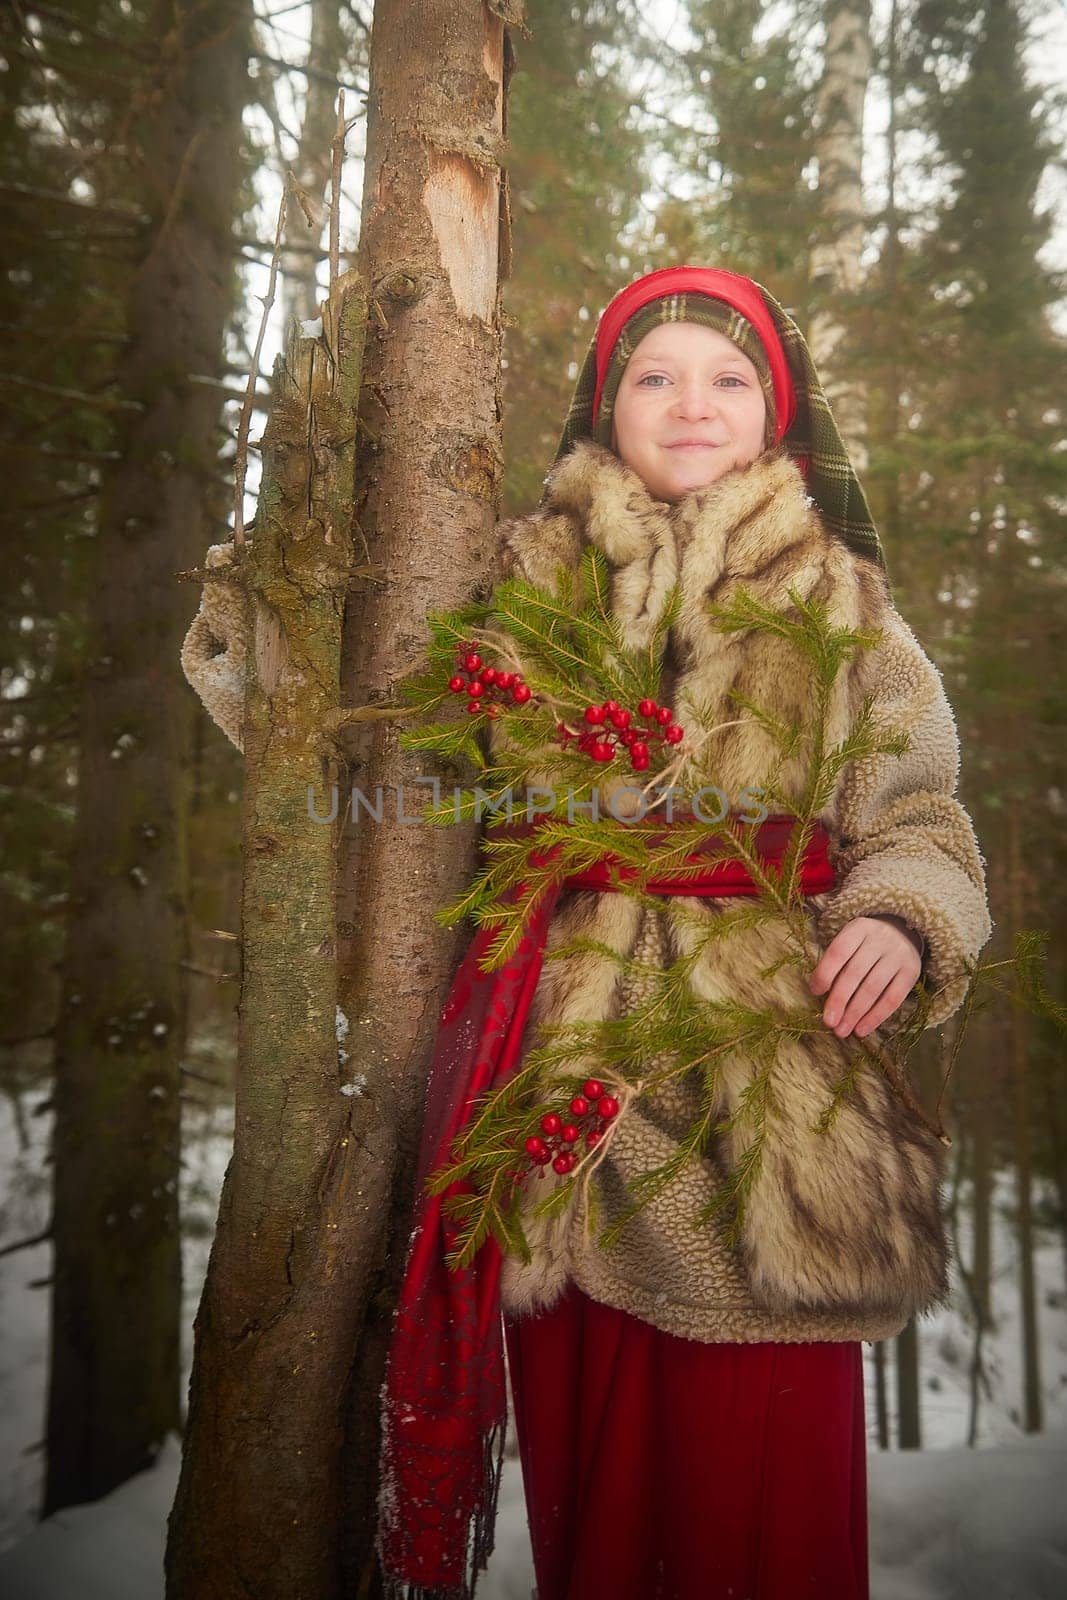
(693, 444)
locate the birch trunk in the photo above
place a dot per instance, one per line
(835, 258)
(434, 248)
(326, 49)
(114, 1373)
(259, 1500)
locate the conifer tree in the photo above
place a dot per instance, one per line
(577, 165)
(755, 210)
(988, 445)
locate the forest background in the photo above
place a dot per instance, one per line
(895, 175)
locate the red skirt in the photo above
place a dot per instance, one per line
(661, 1468)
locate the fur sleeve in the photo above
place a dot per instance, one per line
(214, 652)
(907, 846)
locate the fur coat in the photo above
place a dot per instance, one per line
(843, 1235)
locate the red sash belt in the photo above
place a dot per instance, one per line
(443, 1413)
(707, 871)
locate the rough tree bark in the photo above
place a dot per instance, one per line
(113, 1390)
(835, 255)
(434, 249)
(258, 1502)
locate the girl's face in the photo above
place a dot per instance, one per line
(688, 409)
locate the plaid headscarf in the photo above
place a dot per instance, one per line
(791, 386)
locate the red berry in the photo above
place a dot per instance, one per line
(639, 750)
(534, 1146)
(505, 679)
(593, 1138)
(563, 1163)
(639, 764)
(594, 715)
(521, 693)
(621, 719)
(674, 734)
(602, 751)
(610, 706)
(593, 1088)
(647, 708)
(608, 1107)
(550, 1123)
(568, 1133)
(456, 684)
(664, 714)
(474, 689)
(472, 662)
(488, 674)
(580, 1105)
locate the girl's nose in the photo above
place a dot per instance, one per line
(693, 400)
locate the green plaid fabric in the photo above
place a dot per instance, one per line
(831, 479)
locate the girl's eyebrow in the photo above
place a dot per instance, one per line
(658, 360)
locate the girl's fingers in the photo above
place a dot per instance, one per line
(885, 1006)
(851, 1000)
(855, 972)
(838, 952)
(859, 965)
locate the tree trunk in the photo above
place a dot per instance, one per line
(981, 1124)
(1032, 1409)
(113, 1389)
(881, 1396)
(326, 48)
(909, 1430)
(835, 257)
(434, 247)
(258, 1502)
(929, 1074)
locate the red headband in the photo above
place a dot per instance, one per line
(740, 293)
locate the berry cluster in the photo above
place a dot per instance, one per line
(592, 1103)
(609, 726)
(486, 687)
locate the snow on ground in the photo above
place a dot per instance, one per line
(947, 1523)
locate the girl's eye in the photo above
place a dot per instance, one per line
(728, 378)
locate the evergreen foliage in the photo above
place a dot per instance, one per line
(755, 211)
(577, 166)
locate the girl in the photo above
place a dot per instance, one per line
(690, 1413)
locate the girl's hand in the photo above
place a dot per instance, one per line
(872, 964)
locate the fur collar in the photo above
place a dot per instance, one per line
(757, 526)
(622, 517)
